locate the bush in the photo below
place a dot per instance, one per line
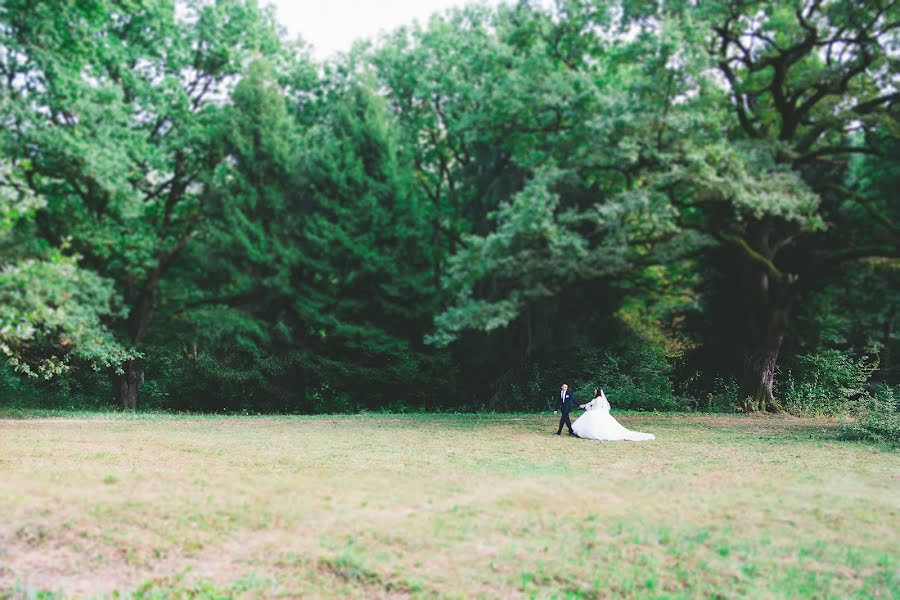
(531, 388)
(725, 397)
(635, 377)
(828, 381)
(875, 418)
(327, 400)
(15, 390)
(81, 388)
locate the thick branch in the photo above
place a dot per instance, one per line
(750, 253)
(834, 150)
(876, 103)
(869, 205)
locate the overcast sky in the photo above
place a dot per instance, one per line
(333, 25)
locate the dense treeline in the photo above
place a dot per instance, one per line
(692, 204)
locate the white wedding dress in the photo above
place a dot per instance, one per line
(597, 424)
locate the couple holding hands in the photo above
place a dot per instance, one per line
(596, 423)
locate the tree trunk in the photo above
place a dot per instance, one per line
(766, 329)
(759, 377)
(128, 385)
(769, 295)
(138, 320)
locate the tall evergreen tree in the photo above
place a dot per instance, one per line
(365, 295)
(236, 291)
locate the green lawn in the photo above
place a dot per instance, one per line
(448, 506)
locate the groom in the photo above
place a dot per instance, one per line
(566, 402)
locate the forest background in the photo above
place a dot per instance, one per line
(693, 205)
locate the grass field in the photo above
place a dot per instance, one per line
(447, 506)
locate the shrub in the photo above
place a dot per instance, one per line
(725, 396)
(327, 400)
(875, 417)
(16, 390)
(507, 397)
(635, 377)
(828, 380)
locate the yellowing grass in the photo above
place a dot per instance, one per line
(449, 506)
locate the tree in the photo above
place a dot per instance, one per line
(240, 227)
(484, 98)
(364, 292)
(671, 164)
(51, 310)
(118, 108)
(810, 85)
(237, 291)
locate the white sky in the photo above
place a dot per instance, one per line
(333, 25)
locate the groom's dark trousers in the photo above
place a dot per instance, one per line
(564, 420)
(565, 407)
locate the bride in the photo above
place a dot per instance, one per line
(597, 424)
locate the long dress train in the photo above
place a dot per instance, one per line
(597, 424)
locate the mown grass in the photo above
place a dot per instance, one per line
(155, 506)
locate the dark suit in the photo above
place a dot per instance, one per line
(565, 407)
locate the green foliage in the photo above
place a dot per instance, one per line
(875, 417)
(17, 201)
(365, 293)
(509, 255)
(326, 400)
(700, 167)
(54, 306)
(676, 201)
(235, 344)
(634, 375)
(118, 113)
(824, 383)
(51, 309)
(15, 390)
(725, 396)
